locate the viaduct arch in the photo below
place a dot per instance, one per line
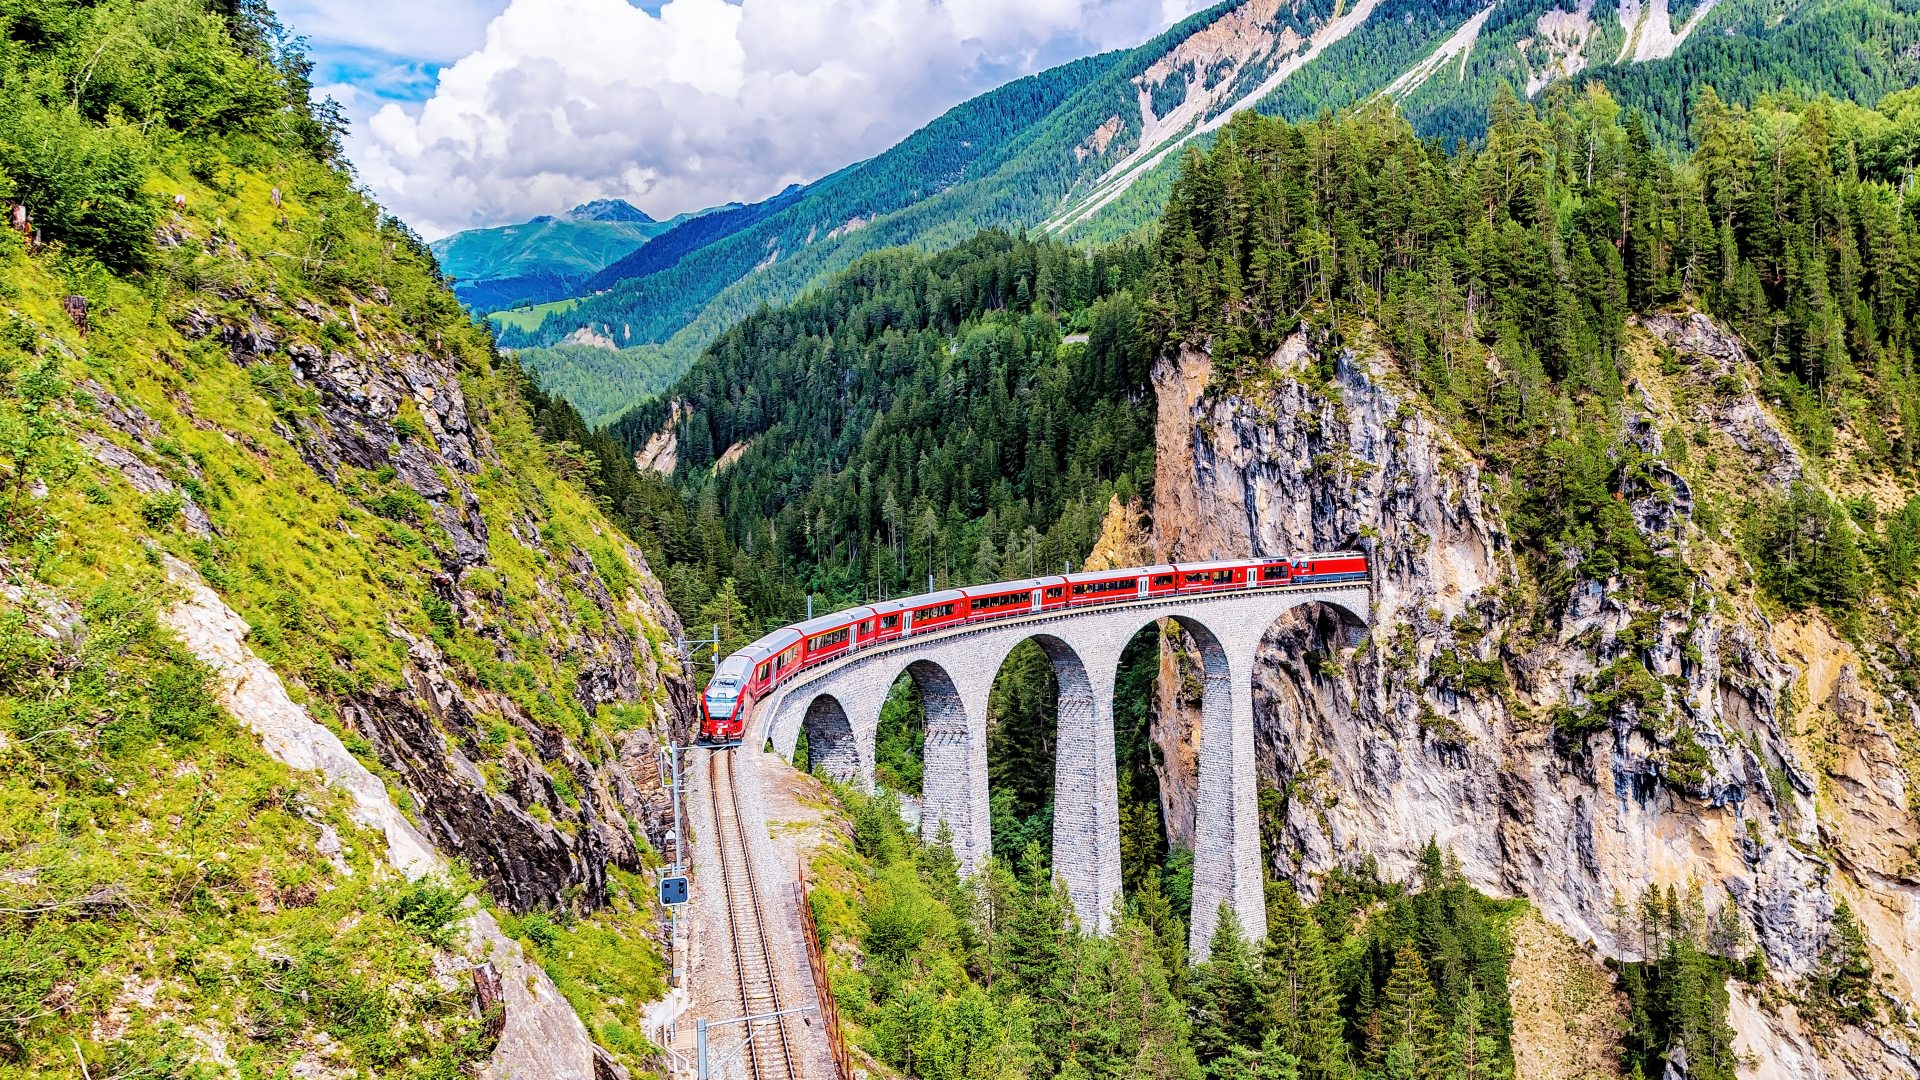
(838, 706)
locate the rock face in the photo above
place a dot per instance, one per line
(541, 1036)
(1439, 725)
(538, 811)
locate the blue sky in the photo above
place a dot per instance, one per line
(480, 112)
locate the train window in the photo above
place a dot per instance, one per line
(866, 626)
(1195, 579)
(1274, 573)
(985, 603)
(888, 622)
(938, 611)
(1056, 593)
(827, 640)
(1163, 579)
(1221, 577)
(763, 671)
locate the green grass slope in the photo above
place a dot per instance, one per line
(214, 349)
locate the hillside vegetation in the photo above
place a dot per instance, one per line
(220, 364)
(1790, 222)
(989, 977)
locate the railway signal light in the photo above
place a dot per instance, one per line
(673, 890)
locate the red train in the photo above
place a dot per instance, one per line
(748, 675)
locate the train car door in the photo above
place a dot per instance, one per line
(1143, 585)
(1036, 598)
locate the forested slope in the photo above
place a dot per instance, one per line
(1632, 444)
(318, 667)
(548, 258)
(1091, 149)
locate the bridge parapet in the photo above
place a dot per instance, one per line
(838, 705)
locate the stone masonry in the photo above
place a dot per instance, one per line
(838, 705)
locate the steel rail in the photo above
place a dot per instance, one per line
(752, 958)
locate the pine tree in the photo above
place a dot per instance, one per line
(1224, 994)
(1408, 1015)
(1301, 1001)
(1169, 930)
(728, 615)
(1270, 1062)
(1845, 979)
(1125, 1018)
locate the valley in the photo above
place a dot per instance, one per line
(389, 630)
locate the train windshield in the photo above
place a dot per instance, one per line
(722, 693)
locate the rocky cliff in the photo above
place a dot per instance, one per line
(1768, 761)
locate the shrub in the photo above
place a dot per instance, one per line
(159, 510)
(429, 907)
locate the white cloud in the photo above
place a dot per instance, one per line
(566, 100)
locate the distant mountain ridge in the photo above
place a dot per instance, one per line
(1088, 150)
(548, 258)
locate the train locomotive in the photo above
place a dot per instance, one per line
(747, 676)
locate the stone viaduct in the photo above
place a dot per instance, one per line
(838, 706)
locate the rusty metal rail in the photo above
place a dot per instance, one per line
(817, 962)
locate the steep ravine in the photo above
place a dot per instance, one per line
(1380, 743)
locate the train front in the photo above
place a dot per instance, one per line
(722, 713)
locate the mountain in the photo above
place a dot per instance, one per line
(1089, 150)
(609, 210)
(1633, 443)
(329, 695)
(548, 258)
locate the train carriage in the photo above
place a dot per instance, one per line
(1217, 576)
(1102, 587)
(1330, 566)
(1009, 598)
(1162, 580)
(889, 621)
(936, 611)
(825, 637)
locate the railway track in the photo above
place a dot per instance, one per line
(769, 1054)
